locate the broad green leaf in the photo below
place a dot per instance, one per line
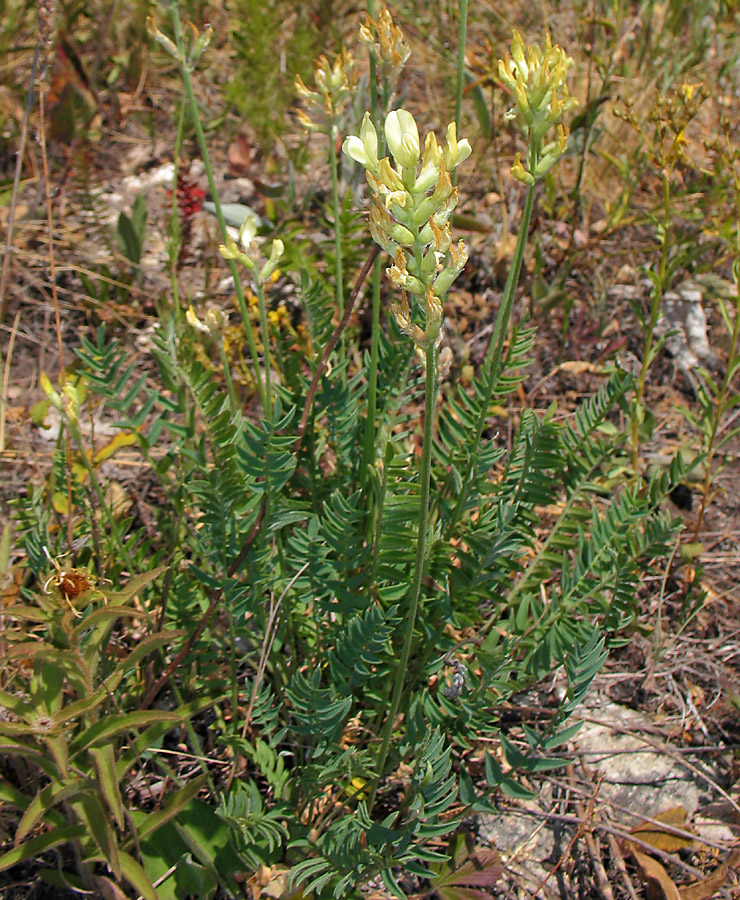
(151, 735)
(75, 673)
(83, 706)
(59, 749)
(31, 613)
(10, 746)
(12, 729)
(119, 598)
(133, 873)
(33, 848)
(16, 705)
(137, 877)
(91, 811)
(172, 807)
(144, 648)
(112, 725)
(103, 613)
(557, 740)
(105, 765)
(47, 798)
(46, 686)
(207, 836)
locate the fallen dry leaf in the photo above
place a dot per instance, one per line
(659, 883)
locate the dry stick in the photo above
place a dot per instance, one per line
(8, 257)
(621, 865)
(659, 825)
(55, 295)
(581, 828)
(332, 344)
(619, 833)
(6, 380)
(662, 747)
(594, 851)
(270, 635)
(206, 617)
(594, 848)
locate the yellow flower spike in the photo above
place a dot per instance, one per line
(431, 161)
(334, 86)
(562, 139)
(396, 198)
(407, 327)
(380, 223)
(444, 189)
(390, 51)
(306, 121)
(535, 77)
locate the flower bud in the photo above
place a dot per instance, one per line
(458, 258)
(247, 232)
(363, 149)
(193, 321)
(455, 151)
(272, 263)
(430, 164)
(520, 173)
(434, 315)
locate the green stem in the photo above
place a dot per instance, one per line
(188, 85)
(647, 355)
(461, 41)
(495, 351)
(430, 403)
(372, 375)
(233, 403)
(175, 230)
(338, 274)
(264, 325)
(722, 397)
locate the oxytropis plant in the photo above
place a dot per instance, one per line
(409, 219)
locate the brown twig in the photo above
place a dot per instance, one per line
(621, 866)
(332, 344)
(269, 640)
(206, 617)
(581, 828)
(8, 255)
(593, 844)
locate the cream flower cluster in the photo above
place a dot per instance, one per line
(335, 86)
(536, 78)
(413, 203)
(387, 45)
